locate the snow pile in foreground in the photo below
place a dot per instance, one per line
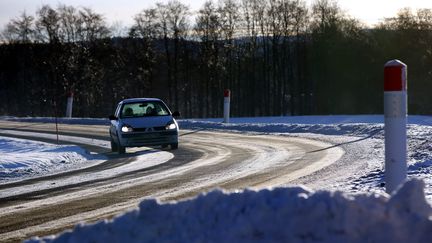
(279, 215)
(20, 159)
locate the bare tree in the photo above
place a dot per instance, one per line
(325, 14)
(146, 24)
(48, 24)
(208, 23)
(174, 28)
(208, 29)
(229, 18)
(177, 19)
(294, 20)
(146, 29)
(20, 29)
(93, 26)
(424, 18)
(300, 30)
(70, 23)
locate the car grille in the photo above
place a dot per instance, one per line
(149, 138)
(148, 141)
(145, 129)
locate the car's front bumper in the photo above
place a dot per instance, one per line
(155, 138)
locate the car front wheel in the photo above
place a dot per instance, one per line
(114, 147)
(121, 149)
(174, 146)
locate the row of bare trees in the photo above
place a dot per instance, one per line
(64, 24)
(279, 57)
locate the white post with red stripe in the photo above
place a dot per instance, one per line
(395, 120)
(227, 100)
(69, 105)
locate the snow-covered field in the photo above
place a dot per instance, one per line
(285, 214)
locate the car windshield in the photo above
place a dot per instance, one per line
(141, 109)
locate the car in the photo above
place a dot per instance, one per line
(141, 122)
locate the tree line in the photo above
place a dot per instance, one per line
(278, 57)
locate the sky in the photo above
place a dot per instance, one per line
(368, 11)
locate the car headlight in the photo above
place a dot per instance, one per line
(171, 126)
(126, 128)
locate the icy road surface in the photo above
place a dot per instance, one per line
(353, 217)
(205, 160)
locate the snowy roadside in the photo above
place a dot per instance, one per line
(23, 159)
(363, 136)
(362, 133)
(294, 214)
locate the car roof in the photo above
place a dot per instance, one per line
(134, 100)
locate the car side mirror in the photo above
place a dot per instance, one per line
(112, 117)
(176, 114)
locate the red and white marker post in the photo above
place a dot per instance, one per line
(69, 105)
(227, 100)
(395, 120)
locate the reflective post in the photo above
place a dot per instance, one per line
(395, 120)
(69, 105)
(227, 97)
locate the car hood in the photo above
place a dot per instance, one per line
(149, 121)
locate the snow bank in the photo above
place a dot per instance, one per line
(21, 158)
(351, 129)
(419, 133)
(280, 215)
(358, 125)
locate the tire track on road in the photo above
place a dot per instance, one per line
(205, 160)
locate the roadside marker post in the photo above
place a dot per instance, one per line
(69, 105)
(56, 120)
(395, 121)
(227, 101)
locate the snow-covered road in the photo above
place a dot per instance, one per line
(205, 160)
(248, 153)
